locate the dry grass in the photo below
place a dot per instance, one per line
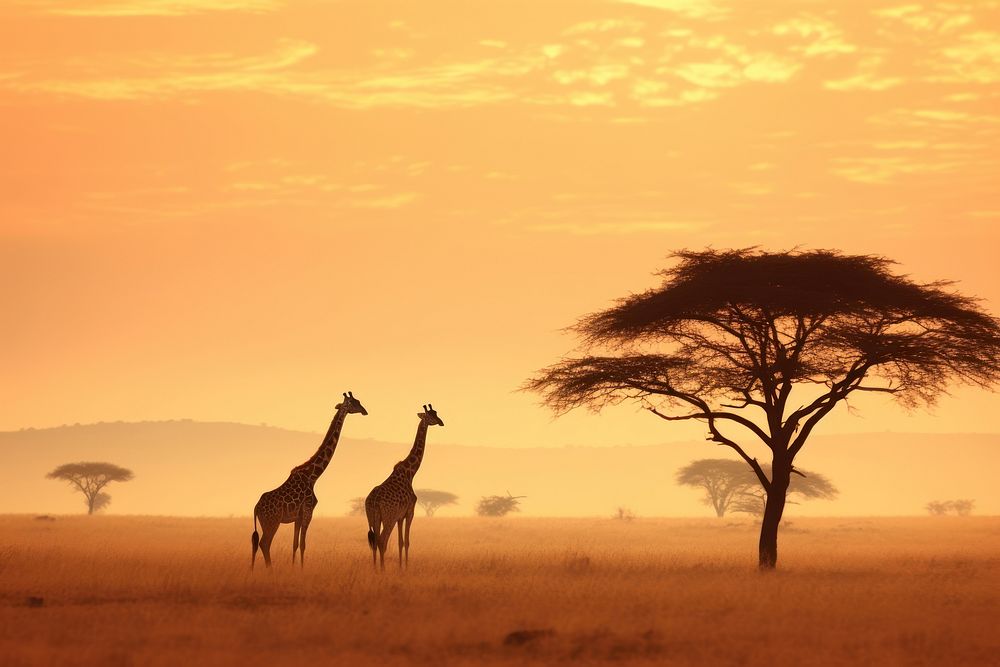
(161, 591)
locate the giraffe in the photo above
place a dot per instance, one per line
(391, 503)
(295, 500)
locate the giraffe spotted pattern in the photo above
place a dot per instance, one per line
(295, 500)
(392, 502)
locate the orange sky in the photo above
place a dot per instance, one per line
(237, 209)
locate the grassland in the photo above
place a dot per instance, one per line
(166, 591)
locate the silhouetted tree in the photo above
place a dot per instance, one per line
(938, 507)
(432, 500)
(499, 505)
(357, 506)
(959, 507)
(729, 335)
(90, 478)
(624, 514)
(722, 480)
(731, 486)
(963, 507)
(101, 502)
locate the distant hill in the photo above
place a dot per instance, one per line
(214, 468)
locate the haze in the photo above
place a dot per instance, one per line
(236, 210)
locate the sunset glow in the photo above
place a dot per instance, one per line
(234, 210)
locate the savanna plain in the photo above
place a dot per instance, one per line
(117, 590)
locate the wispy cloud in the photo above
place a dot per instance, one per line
(818, 37)
(397, 200)
(974, 58)
(936, 17)
(880, 170)
(111, 8)
(617, 228)
(867, 78)
(692, 8)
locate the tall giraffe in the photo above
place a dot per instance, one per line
(391, 503)
(295, 500)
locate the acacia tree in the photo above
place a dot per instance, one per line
(101, 502)
(938, 507)
(963, 507)
(767, 344)
(803, 484)
(90, 478)
(731, 486)
(432, 500)
(357, 506)
(722, 480)
(499, 505)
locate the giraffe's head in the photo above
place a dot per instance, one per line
(352, 404)
(430, 416)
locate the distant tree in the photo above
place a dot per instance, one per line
(357, 506)
(432, 500)
(90, 478)
(752, 499)
(722, 480)
(938, 507)
(963, 507)
(499, 505)
(730, 486)
(101, 501)
(942, 507)
(624, 514)
(768, 344)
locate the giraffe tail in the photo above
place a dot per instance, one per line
(254, 540)
(372, 538)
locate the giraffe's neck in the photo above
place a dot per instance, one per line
(321, 459)
(411, 463)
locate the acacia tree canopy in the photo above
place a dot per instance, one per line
(730, 486)
(431, 500)
(90, 478)
(768, 344)
(804, 485)
(722, 480)
(498, 505)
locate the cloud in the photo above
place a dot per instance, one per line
(940, 18)
(940, 118)
(597, 75)
(881, 170)
(974, 59)
(691, 8)
(616, 228)
(605, 25)
(866, 78)
(387, 202)
(822, 37)
(111, 8)
(161, 76)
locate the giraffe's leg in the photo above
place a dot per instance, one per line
(295, 538)
(383, 541)
(270, 527)
(406, 541)
(399, 533)
(302, 542)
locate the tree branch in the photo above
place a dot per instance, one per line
(716, 436)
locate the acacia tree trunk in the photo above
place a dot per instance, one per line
(774, 507)
(90, 503)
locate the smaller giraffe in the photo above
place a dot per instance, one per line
(391, 503)
(294, 501)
